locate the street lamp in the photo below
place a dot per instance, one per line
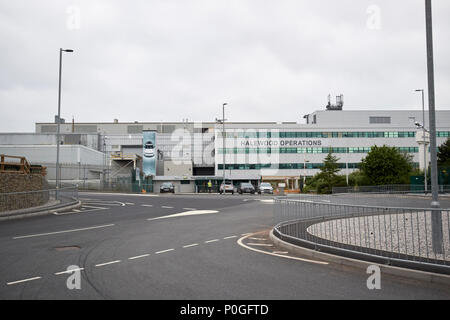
(436, 218)
(223, 138)
(61, 50)
(304, 171)
(424, 139)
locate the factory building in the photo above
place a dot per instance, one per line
(192, 153)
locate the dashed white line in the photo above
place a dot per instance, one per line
(69, 271)
(138, 257)
(214, 240)
(190, 245)
(146, 205)
(24, 280)
(106, 263)
(130, 203)
(164, 251)
(166, 207)
(65, 231)
(230, 237)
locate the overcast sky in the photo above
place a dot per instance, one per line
(170, 60)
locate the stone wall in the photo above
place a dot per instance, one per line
(19, 191)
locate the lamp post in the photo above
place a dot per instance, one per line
(61, 50)
(424, 138)
(436, 219)
(304, 171)
(223, 139)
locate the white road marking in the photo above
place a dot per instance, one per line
(65, 231)
(186, 213)
(240, 242)
(280, 252)
(130, 203)
(166, 207)
(267, 201)
(106, 263)
(24, 280)
(260, 244)
(122, 194)
(214, 240)
(107, 203)
(230, 237)
(246, 234)
(141, 256)
(146, 205)
(189, 209)
(76, 210)
(190, 245)
(164, 251)
(262, 239)
(69, 271)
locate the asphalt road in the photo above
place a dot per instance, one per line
(133, 247)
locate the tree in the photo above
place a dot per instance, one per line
(328, 175)
(387, 165)
(443, 154)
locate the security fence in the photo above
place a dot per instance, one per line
(31, 199)
(409, 237)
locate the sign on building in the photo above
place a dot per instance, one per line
(149, 153)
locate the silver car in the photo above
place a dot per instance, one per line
(265, 187)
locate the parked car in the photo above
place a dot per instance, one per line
(226, 186)
(246, 187)
(149, 149)
(265, 187)
(167, 187)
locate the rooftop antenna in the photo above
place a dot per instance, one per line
(339, 103)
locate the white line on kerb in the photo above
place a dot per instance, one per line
(241, 243)
(230, 237)
(106, 263)
(24, 280)
(69, 271)
(260, 244)
(141, 256)
(164, 251)
(65, 231)
(214, 240)
(190, 245)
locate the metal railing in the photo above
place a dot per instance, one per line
(394, 188)
(397, 236)
(16, 201)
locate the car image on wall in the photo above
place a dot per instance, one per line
(149, 149)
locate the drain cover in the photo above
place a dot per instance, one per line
(66, 248)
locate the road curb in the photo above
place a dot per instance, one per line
(360, 264)
(41, 212)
